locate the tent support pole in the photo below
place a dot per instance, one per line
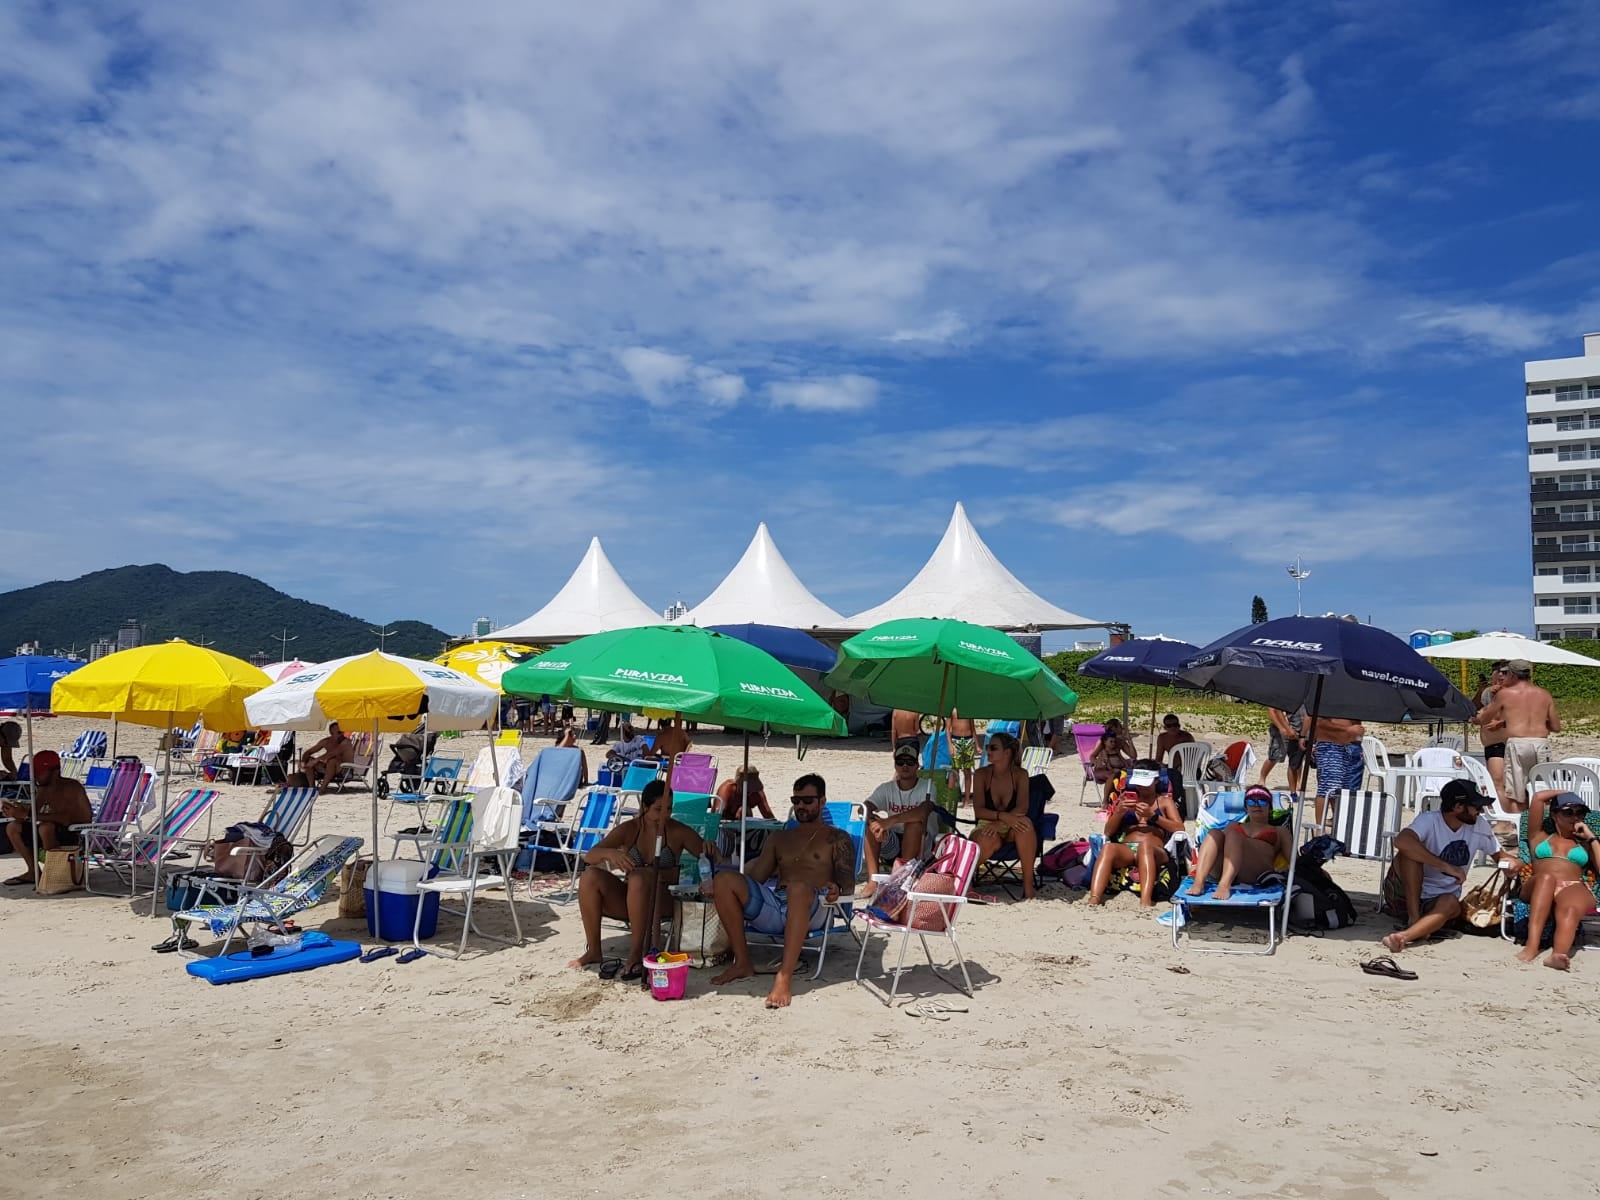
(1155, 694)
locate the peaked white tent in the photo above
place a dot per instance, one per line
(594, 600)
(964, 581)
(762, 589)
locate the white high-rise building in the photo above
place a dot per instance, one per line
(1563, 397)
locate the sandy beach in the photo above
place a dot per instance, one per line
(1093, 1057)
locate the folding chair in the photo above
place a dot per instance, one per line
(1087, 738)
(299, 885)
(1221, 809)
(440, 776)
(91, 743)
(359, 768)
(491, 838)
(1036, 759)
(1367, 823)
(850, 816)
(572, 839)
(1003, 866)
(930, 914)
(149, 847)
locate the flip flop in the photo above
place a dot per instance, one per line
(411, 955)
(378, 952)
(1387, 967)
(935, 1009)
(609, 968)
(631, 974)
(19, 880)
(174, 943)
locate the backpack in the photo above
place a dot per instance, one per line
(1318, 902)
(1058, 860)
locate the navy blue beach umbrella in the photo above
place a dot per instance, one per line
(1333, 668)
(1152, 661)
(792, 647)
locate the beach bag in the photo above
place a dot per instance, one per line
(1318, 902)
(890, 902)
(62, 872)
(1058, 860)
(927, 914)
(1481, 906)
(701, 928)
(352, 888)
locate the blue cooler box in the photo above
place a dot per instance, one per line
(393, 910)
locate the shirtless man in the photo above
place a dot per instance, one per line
(321, 762)
(671, 740)
(961, 741)
(1528, 716)
(61, 803)
(814, 863)
(1337, 756)
(905, 729)
(1493, 736)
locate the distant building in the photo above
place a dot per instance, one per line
(28, 648)
(676, 611)
(101, 647)
(1091, 647)
(482, 627)
(130, 635)
(1563, 407)
(260, 658)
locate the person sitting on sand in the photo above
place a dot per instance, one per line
(898, 811)
(1244, 851)
(671, 740)
(1000, 803)
(1111, 758)
(321, 763)
(1561, 881)
(814, 864)
(60, 804)
(620, 869)
(1431, 857)
(1138, 825)
(731, 795)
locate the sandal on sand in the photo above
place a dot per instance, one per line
(935, 1009)
(19, 880)
(378, 952)
(176, 942)
(632, 973)
(411, 955)
(1386, 966)
(609, 967)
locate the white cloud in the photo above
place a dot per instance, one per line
(836, 393)
(1497, 325)
(663, 378)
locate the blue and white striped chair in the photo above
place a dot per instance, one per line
(298, 886)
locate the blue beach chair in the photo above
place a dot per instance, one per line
(299, 885)
(851, 816)
(1221, 809)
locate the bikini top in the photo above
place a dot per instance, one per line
(664, 861)
(1578, 856)
(988, 800)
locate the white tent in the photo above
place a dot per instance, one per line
(594, 600)
(1491, 647)
(763, 590)
(964, 581)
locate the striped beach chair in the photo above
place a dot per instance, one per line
(300, 885)
(1367, 823)
(931, 914)
(453, 828)
(151, 844)
(91, 743)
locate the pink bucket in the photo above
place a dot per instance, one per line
(668, 980)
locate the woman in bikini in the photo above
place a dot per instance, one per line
(1000, 802)
(1245, 851)
(1138, 825)
(621, 868)
(1562, 875)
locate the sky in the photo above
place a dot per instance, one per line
(395, 306)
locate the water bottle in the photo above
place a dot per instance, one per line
(705, 875)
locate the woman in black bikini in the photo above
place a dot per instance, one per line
(1137, 828)
(616, 883)
(1000, 802)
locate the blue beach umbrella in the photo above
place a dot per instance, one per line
(25, 683)
(1334, 668)
(792, 647)
(1152, 661)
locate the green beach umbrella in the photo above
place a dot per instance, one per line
(691, 671)
(936, 666)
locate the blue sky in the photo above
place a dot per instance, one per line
(396, 306)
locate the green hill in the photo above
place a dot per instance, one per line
(235, 613)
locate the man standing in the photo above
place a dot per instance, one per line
(1493, 736)
(905, 729)
(814, 864)
(1337, 757)
(1284, 745)
(961, 742)
(1528, 717)
(898, 812)
(1431, 859)
(58, 804)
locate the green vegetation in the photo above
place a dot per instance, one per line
(1258, 611)
(235, 613)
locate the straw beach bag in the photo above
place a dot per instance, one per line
(352, 885)
(63, 872)
(1481, 907)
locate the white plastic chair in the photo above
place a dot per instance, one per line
(1376, 757)
(1451, 741)
(1566, 777)
(1446, 761)
(496, 830)
(1190, 761)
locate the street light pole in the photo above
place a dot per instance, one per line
(283, 639)
(1299, 574)
(383, 635)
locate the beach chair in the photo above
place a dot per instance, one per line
(441, 774)
(358, 769)
(453, 828)
(509, 737)
(850, 816)
(573, 838)
(1222, 809)
(1003, 868)
(550, 784)
(1374, 758)
(194, 755)
(1086, 738)
(300, 884)
(1036, 759)
(640, 772)
(932, 914)
(1367, 823)
(91, 743)
(1451, 741)
(256, 759)
(1566, 777)
(151, 845)
(289, 814)
(1189, 762)
(695, 774)
(478, 861)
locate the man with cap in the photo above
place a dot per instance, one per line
(1431, 859)
(1526, 714)
(60, 803)
(898, 811)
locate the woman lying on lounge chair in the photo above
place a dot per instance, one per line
(1137, 828)
(1562, 875)
(1245, 851)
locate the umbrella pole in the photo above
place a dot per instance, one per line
(1311, 745)
(938, 731)
(744, 803)
(1155, 694)
(161, 833)
(1124, 706)
(113, 739)
(374, 793)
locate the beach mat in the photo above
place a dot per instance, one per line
(316, 950)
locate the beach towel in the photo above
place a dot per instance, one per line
(551, 781)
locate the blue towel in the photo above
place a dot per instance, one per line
(551, 780)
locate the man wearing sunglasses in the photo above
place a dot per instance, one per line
(813, 864)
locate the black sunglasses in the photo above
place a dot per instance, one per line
(1571, 810)
(805, 799)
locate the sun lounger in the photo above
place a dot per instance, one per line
(1272, 899)
(298, 886)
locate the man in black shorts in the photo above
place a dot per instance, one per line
(1284, 745)
(60, 804)
(1494, 736)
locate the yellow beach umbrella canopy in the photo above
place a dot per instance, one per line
(162, 684)
(485, 661)
(377, 691)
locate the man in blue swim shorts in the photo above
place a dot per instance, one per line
(813, 864)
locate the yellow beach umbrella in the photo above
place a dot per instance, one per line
(485, 661)
(164, 684)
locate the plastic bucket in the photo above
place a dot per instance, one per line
(392, 899)
(668, 980)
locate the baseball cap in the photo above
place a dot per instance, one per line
(1463, 791)
(1519, 666)
(1568, 800)
(906, 751)
(46, 760)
